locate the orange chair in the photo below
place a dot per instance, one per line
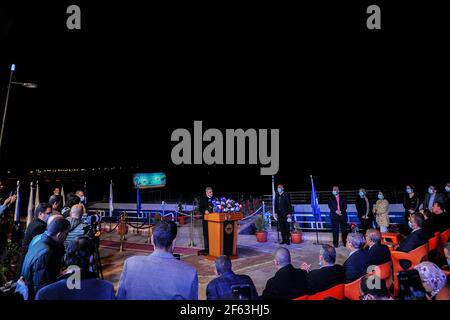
(415, 256)
(337, 292)
(384, 271)
(393, 237)
(353, 289)
(444, 237)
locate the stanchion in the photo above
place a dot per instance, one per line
(191, 229)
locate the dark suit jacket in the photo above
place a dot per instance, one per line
(438, 198)
(332, 204)
(361, 208)
(356, 265)
(325, 278)
(414, 240)
(287, 284)
(283, 205)
(379, 254)
(205, 204)
(37, 226)
(439, 222)
(220, 288)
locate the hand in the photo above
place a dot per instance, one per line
(339, 213)
(21, 287)
(206, 212)
(10, 200)
(306, 267)
(275, 216)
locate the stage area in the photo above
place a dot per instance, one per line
(255, 259)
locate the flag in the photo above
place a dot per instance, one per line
(36, 199)
(273, 196)
(30, 209)
(63, 195)
(138, 200)
(17, 213)
(315, 203)
(111, 203)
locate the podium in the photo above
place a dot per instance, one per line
(222, 233)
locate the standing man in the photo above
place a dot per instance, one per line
(338, 215)
(205, 206)
(432, 197)
(364, 210)
(283, 210)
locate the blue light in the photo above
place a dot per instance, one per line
(13, 67)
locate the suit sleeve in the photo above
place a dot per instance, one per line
(211, 292)
(194, 287)
(269, 292)
(407, 245)
(122, 292)
(2, 209)
(44, 275)
(288, 200)
(344, 205)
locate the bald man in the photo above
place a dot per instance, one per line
(77, 228)
(288, 282)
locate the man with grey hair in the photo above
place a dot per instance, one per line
(77, 228)
(205, 206)
(288, 282)
(223, 287)
(329, 274)
(358, 260)
(378, 253)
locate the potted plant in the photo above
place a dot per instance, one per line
(296, 234)
(261, 232)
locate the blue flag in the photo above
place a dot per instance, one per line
(315, 202)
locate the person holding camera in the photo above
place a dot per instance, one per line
(77, 258)
(77, 227)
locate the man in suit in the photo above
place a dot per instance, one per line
(417, 237)
(283, 210)
(378, 253)
(358, 261)
(338, 215)
(288, 282)
(159, 276)
(364, 210)
(440, 220)
(221, 288)
(431, 197)
(205, 206)
(329, 274)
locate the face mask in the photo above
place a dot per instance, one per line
(430, 191)
(408, 190)
(83, 198)
(410, 225)
(380, 196)
(280, 190)
(447, 188)
(361, 194)
(209, 196)
(320, 264)
(335, 193)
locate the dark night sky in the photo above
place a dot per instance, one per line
(353, 107)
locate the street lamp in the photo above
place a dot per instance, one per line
(28, 85)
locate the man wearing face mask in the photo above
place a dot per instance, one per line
(205, 206)
(38, 225)
(432, 197)
(338, 215)
(447, 197)
(411, 202)
(364, 210)
(283, 210)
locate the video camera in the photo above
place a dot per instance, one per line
(91, 219)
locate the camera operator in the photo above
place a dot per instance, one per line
(77, 227)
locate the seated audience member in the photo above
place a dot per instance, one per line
(221, 288)
(77, 257)
(77, 228)
(378, 253)
(56, 203)
(370, 291)
(44, 260)
(72, 200)
(329, 274)
(440, 218)
(447, 254)
(427, 225)
(433, 279)
(288, 282)
(358, 261)
(159, 276)
(417, 237)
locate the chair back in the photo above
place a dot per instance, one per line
(433, 243)
(352, 289)
(305, 297)
(444, 237)
(336, 292)
(384, 271)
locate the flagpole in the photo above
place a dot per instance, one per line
(273, 209)
(17, 213)
(36, 199)
(30, 205)
(111, 203)
(314, 208)
(63, 195)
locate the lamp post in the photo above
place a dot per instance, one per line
(28, 85)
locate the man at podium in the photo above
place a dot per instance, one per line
(205, 206)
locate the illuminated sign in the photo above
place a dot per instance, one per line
(149, 180)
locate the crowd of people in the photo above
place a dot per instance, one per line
(56, 257)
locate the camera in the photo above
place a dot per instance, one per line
(91, 219)
(411, 287)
